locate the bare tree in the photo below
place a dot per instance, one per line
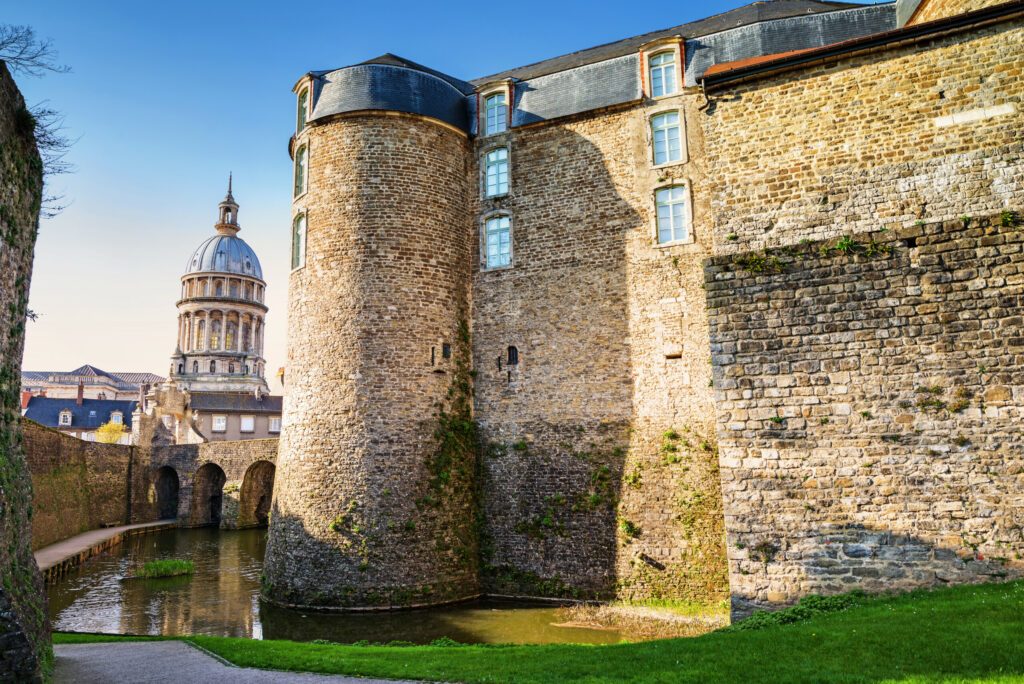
(25, 53)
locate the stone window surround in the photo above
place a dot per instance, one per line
(483, 169)
(484, 268)
(65, 418)
(222, 420)
(484, 92)
(649, 128)
(303, 213)
(648, 50)
(688, 216)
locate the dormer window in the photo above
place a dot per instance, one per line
(663, 73)
(303, 110)
(117, 418)
(495, 114)
(65, 418)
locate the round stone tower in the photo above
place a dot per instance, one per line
(221, 313)
(374, 500)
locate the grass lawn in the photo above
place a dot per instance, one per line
(971, 633)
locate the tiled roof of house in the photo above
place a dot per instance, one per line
(234, 402)
(91, 414)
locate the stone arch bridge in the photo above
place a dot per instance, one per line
(218, 483)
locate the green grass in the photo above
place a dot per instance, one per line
(165, 568)
(971, 633)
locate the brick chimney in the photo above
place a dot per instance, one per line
(81, 393)
(25, 398)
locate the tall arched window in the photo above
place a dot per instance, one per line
(218, 289)
(300, 171)
(215, 335)
(299, 241)
(229, 335)
(663, 73)
(513, 356)
(181, 369)
(213, 366)
(231, 366)
(497, 241)
(246, 334)
(195, 367)
(201, 335)
(665, 138)
(303, 107)
(496, 172)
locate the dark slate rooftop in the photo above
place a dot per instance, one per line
(741, 16)
(234, 402)
(91, 414)
(127, 381)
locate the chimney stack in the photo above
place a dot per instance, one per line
(81, 393)
(25, 398)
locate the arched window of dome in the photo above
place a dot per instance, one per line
(181, 369)
(201, 335)
(218, 289)
(213, 366)
(245, 369)
(233, 290)
(246, 335)
(229, 336)
(215, 335)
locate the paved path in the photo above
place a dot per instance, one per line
(51, 555)
(150, 662)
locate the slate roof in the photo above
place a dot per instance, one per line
(125, 381)
(234, 402)
(741, 16)
(394, 60)
(225, 254)
(91, 414)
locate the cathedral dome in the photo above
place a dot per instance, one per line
(225, 254)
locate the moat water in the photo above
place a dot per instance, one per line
(222, 599)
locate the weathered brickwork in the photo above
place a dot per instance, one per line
(25, 653)
(869, 407)
(930, 10)
(77, 485)
(581, 496)
(367, 510)
(920, 132)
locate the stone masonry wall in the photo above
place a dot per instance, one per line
(77, 485)
(25, 653)
(600, 478)
(918, 132)
(930, 10)
(870, 400)
(375, 499)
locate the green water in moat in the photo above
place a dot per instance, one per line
(222, 599)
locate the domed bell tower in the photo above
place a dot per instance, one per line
(221, 313)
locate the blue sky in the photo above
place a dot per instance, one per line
(165, 99)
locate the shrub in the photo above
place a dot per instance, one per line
(171, 567)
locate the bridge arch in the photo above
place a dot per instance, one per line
(254, 500)
(208, 495)
(167, 487)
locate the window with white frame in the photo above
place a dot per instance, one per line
(300, 171)
(497, 241)
(666, 138)
(663, 73)
(248, 424)
(299, 241)
(495, 114)
(671, 207)
(300, 122)
(65, 418)
(275, 424)
(220, 423)
(496, 172)
(116, 418)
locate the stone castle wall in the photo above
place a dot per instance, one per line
(869, 411)
(581, 496)
(866, 370)
(930, 10)
(369, 509)
(77, 485)
(24, 631)
(887, 138)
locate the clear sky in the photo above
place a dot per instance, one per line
(165, 98)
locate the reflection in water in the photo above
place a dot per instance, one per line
(222, 598)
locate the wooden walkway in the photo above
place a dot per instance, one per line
(56, 559)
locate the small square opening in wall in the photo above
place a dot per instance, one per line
(446, 351)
